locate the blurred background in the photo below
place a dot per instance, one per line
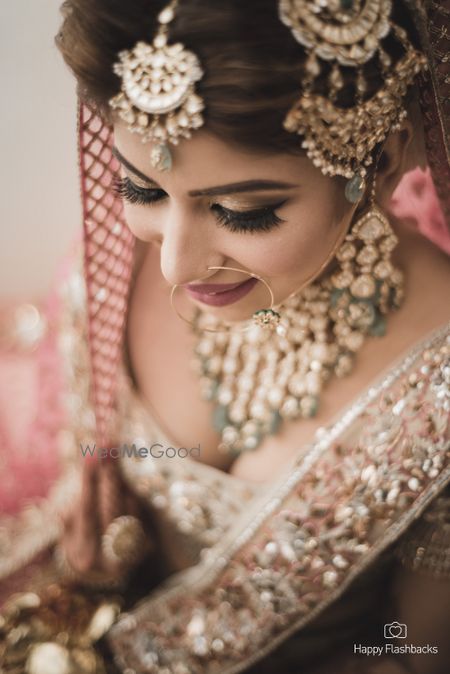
(39, 209)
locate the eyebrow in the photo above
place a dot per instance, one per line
(231, 188)
(130, 167)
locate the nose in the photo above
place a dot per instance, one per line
(186, 247)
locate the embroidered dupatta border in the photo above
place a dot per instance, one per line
(212, 617)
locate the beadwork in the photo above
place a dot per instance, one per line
(157, 98)
(339, 139)
(260, 377)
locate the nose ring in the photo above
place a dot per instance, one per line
(266, 318)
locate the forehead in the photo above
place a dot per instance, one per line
(205, 159)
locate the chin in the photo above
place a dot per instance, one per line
(228, 314)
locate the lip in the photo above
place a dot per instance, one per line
(211, 287)
(220, 294)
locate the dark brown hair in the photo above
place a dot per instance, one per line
(251, 61)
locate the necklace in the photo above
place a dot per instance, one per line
(259, 378)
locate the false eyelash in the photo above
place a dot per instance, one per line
(126, 189)
(261, 220)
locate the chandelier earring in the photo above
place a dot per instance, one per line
(365, 272)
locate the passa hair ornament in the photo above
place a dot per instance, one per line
(347, 34)
(157, 97)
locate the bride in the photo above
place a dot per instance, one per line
(254, 296)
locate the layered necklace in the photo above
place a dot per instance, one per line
(266, 374)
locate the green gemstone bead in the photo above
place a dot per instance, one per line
(212, 393)
(378, 328)
(376, 296)
(274, 423)
(220, 418)
(162, 158)
(314, 407)
(335, 295)
(354, 188)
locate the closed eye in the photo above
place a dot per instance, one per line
(257, 220)
(135, 194)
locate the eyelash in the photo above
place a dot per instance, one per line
(259, 220)
(125, 188)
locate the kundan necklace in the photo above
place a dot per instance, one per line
(259, 377)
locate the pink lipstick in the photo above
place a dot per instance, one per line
(211, 287)
(220, 294)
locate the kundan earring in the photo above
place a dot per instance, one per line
(366, 272)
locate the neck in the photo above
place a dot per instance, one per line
(427, 274)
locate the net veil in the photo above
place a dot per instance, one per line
(108, 258)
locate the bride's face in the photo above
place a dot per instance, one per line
(276, 216)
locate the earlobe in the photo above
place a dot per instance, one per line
(393, 162)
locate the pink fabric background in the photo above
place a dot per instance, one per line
(415, 198)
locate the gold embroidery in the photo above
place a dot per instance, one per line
(358, 489)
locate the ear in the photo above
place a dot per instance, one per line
(393, 162)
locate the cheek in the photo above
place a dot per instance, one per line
(136, 217)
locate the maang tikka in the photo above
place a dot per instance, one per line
(157, 97)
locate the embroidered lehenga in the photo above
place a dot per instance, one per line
(239, 576)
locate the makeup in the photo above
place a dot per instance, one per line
(213, 295)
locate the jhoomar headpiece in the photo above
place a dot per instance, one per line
(348, 33)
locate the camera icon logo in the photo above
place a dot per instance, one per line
(395, 630)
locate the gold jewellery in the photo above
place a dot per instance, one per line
(274, 368)
(341, 39)
(157, 98)
(267, 318)
(259, 378)
(123, 544)
(339, 138)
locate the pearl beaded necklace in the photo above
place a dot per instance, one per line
(260, 377)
